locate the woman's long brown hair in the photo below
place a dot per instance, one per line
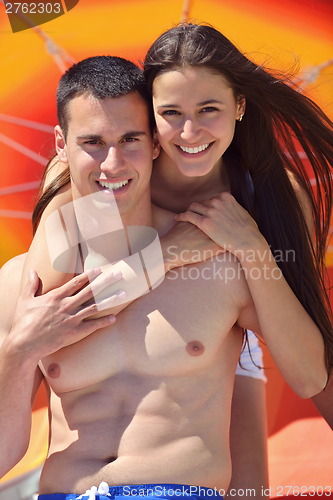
(47, 190)
(279, 122)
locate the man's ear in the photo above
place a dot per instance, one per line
(60, 144)
(156, 146)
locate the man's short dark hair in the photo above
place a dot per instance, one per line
(100, 77)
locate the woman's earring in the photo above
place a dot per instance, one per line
(240, 117)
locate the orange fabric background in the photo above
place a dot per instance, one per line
(278, 33)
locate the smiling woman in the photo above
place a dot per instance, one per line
(202, 86)
(194, 128)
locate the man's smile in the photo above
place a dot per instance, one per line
(114, 186)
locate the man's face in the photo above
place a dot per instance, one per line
(109, 148)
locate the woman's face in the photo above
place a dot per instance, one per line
(195, 111)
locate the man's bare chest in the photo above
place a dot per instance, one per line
(183, 326)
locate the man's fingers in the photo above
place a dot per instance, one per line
(92, 325)
(117, 298)
(32, 284)
(100, 305)
(78, 282)
(107, 278)
(100, 284)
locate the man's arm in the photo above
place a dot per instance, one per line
(32, 327)
(19, 378)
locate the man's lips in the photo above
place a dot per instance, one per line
(116, 187)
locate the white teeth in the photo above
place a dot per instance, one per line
(113, 185)
(194, 150)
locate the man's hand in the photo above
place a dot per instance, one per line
(43, 324)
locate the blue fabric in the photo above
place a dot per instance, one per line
(140, 491)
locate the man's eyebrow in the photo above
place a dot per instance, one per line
(134, 133)
(97, 137)
(93, 137)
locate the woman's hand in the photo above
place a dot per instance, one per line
(43, 324)
(186, 244)
(226, 222)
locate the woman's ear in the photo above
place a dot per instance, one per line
(241, 105)
(60, 144)
(156, 146)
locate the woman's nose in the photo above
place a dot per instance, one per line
(190, 129)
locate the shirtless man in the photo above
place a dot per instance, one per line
(145, 401)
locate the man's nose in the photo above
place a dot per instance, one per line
(190, 130)
(113, 161)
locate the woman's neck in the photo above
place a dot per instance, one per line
(175, 191)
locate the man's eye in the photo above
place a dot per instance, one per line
(92, 141)
(131, 139)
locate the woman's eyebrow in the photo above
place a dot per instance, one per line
(210, 101)
(203, 103)
(168, 106)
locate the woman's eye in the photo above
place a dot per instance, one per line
(170, 112)
(209, 109)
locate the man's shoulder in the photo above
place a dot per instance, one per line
(10, 282)
(10, 278)
(12, 269)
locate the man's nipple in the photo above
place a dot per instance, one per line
(195, 348)
(53, 370)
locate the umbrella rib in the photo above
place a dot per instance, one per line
(15, 214)
(19, 188)
(26, 123)
(22, 149)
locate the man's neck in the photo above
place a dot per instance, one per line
(141, 216)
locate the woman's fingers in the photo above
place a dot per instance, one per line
(192, 217)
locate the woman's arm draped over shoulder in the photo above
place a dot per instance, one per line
(293, 338)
